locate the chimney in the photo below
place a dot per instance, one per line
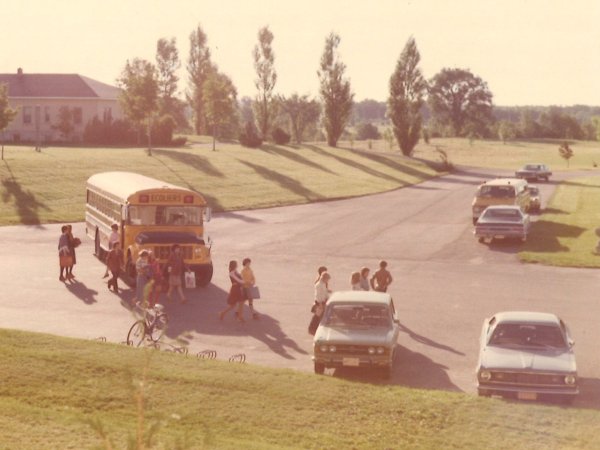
(19, 71)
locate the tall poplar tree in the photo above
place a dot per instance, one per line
(335, 91)
(266, 77)
(199, 68)
(220, 98)
(167, 64)
(407, 93)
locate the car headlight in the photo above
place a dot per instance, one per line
(570, 380)
(332, 348)
(198, 251)
(485, 375)
(323, 348)
(371, 350)
(380, 350)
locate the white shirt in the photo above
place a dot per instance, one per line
(114, 237)
(321, 291)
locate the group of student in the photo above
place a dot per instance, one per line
(241, 290)
(359, 281)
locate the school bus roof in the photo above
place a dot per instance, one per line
(121, 185)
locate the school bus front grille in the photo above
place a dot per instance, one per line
(163, 251)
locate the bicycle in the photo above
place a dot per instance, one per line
(152, 327)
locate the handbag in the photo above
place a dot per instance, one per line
(190, 279)
(253, 292)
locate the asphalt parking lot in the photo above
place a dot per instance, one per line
(445, 283)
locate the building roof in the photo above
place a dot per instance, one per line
(56, 85)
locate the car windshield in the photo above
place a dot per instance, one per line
(507, 215)
(528, 335)
(357, 316)
(534, 190)
(497, 191)
(532, 167)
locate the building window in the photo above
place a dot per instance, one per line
(77, 116)
(47, 114)
(26, 114)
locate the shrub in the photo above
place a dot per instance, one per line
(280, 137)
(249, 136)
(99, 132)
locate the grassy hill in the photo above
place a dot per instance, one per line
(50, 186)
(68, 394)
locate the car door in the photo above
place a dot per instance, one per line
(395, 321)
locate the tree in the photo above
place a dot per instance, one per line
(7, 114)
(388, 136)
(367, 131)
(139, 94)
(528, 125)
(264, 60)
(565, 152)
(407, 93)
(461, 100)
(335, 91)
(64, 123)
(507, 130)
(167, 64)
(199, 69)
(595, 121)
(220, 101)
(301, 112)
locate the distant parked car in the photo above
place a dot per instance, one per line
(535, 198)
(534, 172)
(527, 355)
(501, 222)
(358, 329)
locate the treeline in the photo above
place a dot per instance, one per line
(509, 122)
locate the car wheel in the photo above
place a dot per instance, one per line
(481, 240)
(319, 368)
(484, 393)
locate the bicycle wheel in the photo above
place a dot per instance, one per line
(159, 328)
(137, 333)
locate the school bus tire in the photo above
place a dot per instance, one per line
(204, 275)
(97, 247)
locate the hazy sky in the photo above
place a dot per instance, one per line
(530, 52)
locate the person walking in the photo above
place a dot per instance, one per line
(235, 299)
(114, 237)
(249, 282)
(364, 279)
(175, 267)
(382, 278)
(355, 281)
(321, 296)
(154, 286)
(64, 253)
(73, 244)
(141, 268)
(113, 263)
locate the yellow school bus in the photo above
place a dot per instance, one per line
(151, 215)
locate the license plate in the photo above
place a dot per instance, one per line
(526, 395)
(352, 362)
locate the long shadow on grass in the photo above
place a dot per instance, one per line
(411, 369)
(196, 161)
(356, 165)
(201, 317)
(294, 156)
(284, 181)
(25, 202)
(544, 235)
(584, 185)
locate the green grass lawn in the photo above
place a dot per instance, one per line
(565, 233)
(50, 186)
(53, 388)
(513, 154)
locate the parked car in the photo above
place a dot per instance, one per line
(534, 172)
(358, 329)
(501, 222)
(501, 191)
(535, 197)
(527, 355)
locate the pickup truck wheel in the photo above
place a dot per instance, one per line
(319, 368)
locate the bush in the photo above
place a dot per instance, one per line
(99, 132)
(367, 131)
(280, 137)
(162, 130)
(249, 137)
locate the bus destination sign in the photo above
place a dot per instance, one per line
(165, 198)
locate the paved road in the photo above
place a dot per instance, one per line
(445, 283)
